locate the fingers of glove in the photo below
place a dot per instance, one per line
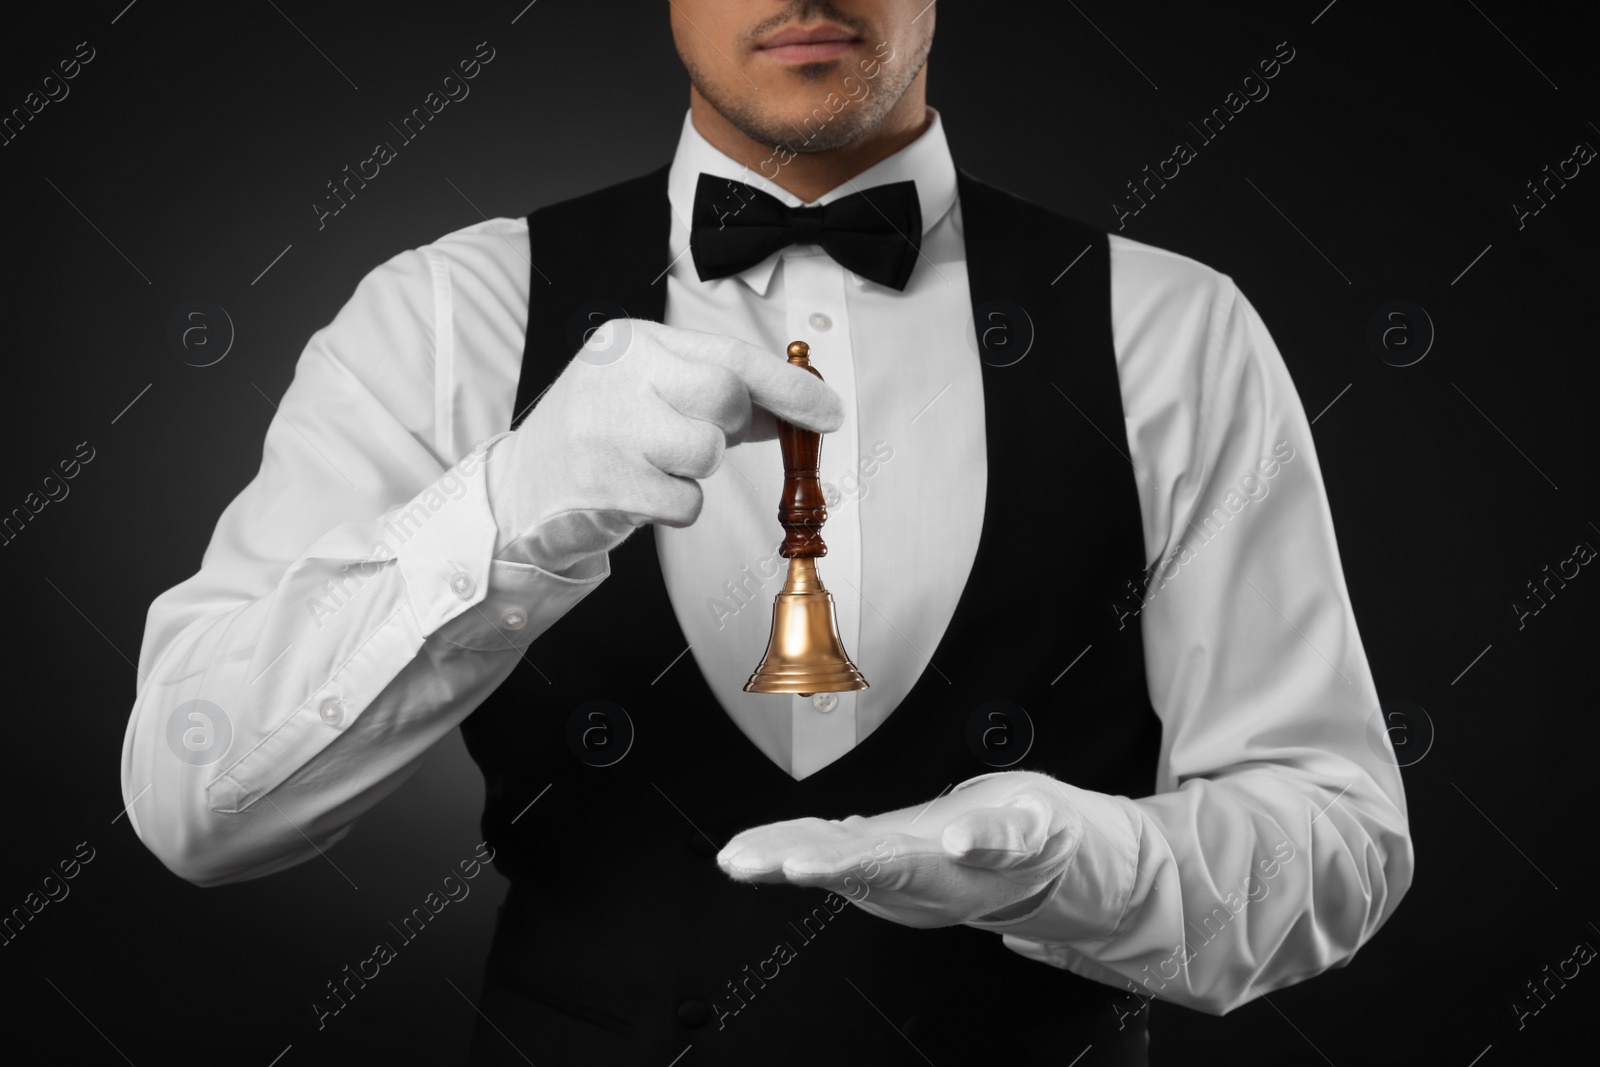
(671, 500)
(705, 391)
(1010, 835)
(919, 888)
(676, 443)
(789, 392)
(765, 849)
(812, 852)
(825, 855)
(638, 493)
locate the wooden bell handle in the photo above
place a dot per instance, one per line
(802, 510)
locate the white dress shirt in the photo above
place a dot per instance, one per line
(912, 391)
(341, 641)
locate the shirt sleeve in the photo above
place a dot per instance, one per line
(348, 611)
(1277, 842)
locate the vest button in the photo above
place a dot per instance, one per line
(697, 843)
(695, 1013)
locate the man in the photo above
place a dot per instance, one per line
(1115, 745)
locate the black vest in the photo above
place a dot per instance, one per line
(621, 941)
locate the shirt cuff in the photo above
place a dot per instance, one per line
(443, 540)
(455, 586)
(1088, 898)
(523, 601)
(453, 591)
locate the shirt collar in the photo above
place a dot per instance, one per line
(925, 161)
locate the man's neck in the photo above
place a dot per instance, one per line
(809, 175)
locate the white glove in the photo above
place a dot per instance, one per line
(987, 850)
(618, 441)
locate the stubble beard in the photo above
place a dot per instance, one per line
(855, 120)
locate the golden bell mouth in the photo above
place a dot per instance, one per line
(805, 654)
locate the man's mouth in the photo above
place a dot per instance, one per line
(816, 45)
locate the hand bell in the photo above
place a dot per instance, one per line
(805, 654)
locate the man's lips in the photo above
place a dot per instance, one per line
(795, 45)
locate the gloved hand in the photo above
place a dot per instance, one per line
(989, 849)
(619, 441)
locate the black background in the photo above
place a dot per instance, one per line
(188, 155)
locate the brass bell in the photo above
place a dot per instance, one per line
(805, 654)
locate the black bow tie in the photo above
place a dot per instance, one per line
(875, 233)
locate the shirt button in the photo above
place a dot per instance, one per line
(463, 585)
(830, 494)
(824, 702)
(515, 619)
(332, 712)
(820, 322)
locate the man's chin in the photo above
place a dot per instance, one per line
(803, 139)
